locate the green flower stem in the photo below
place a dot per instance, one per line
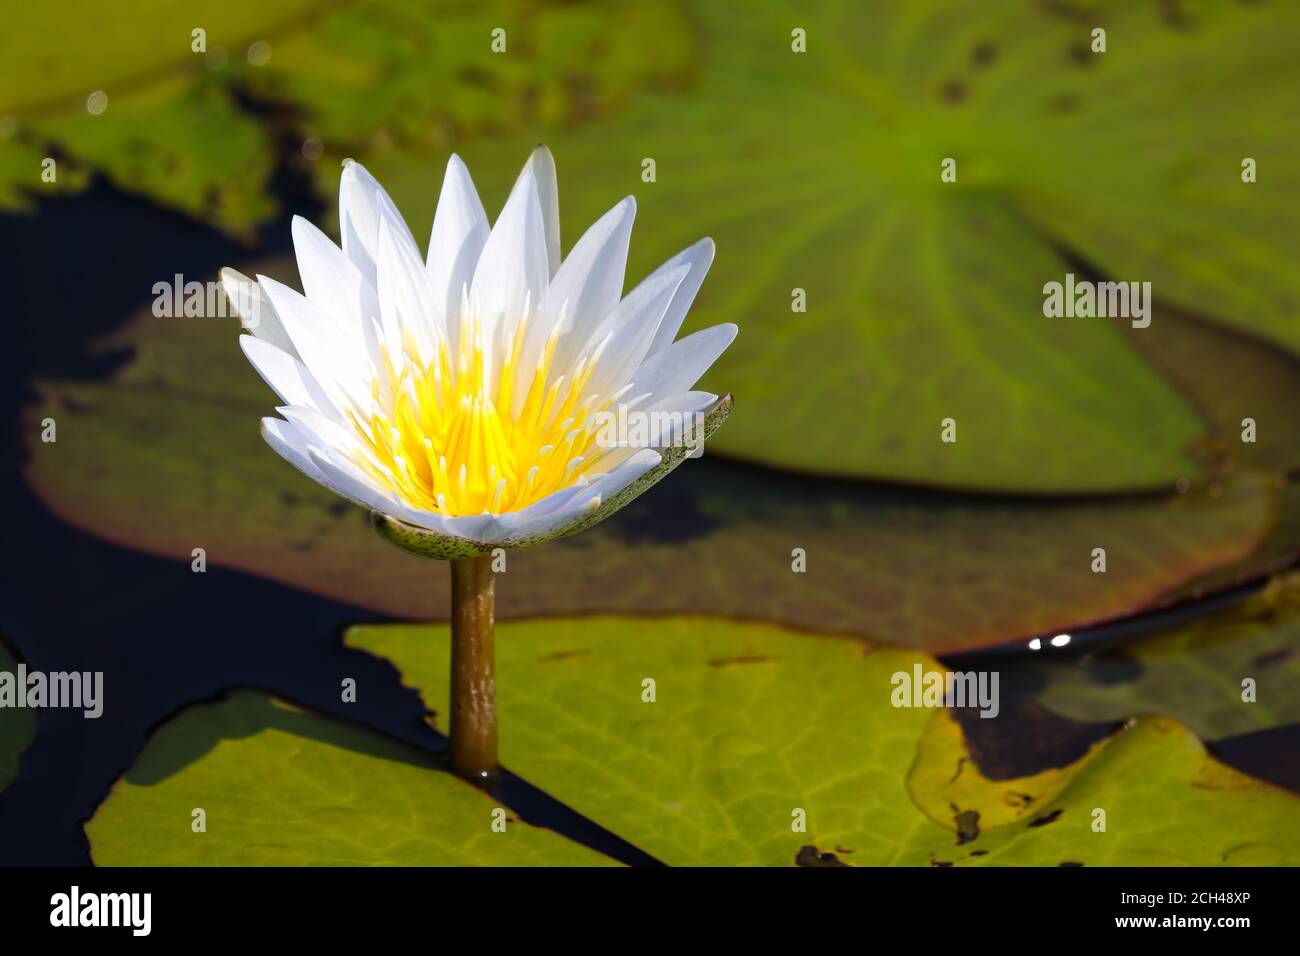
(473, 668)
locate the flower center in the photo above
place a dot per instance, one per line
(445, 435)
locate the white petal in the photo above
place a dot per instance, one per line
(460, 227)
(322, 431)
(474, 527)
(699, 257)
(542, 164)
(680, 366)
(333, 359)
(584, 291)
(675, 414)
(619, 345)
(292, 447)
(256, 314)
(512, 271)
(333, 283)
(406, 299)
(524, 524)
(296, 447)
(360, 199)
(287, 376)
(352, 485)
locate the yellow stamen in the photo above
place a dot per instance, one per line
(443, 435)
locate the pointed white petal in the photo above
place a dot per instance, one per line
(334, 360)
(668, 421)
(333, 283)
(527, 524)
(256, 314)
(512, 271)
(351, 484)
(680, 366)
(699, 257)
(360, 199)
(287, 376)
(619, 345)
(460, 228)
(407, 308)
(291, 445)
(584, 291)
(324, 432)
(542, 164)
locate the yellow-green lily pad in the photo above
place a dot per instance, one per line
(280, 786)
(712, 742)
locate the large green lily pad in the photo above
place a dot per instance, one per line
(821, 171)
(166, 457)
(751, 724)
(281, 786)
(17, 728)
(1193, 671)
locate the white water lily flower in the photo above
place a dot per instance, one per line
(457, 395)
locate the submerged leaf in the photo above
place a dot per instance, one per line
(1195, 671)
(17, 727)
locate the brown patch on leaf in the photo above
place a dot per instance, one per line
(1274, 657)
(952, 91)
(1046, 818)
(741, 659)
(811, 856)
(562, 655)
(968, 826)
(984, 55)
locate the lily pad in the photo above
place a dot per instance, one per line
(284, 787)
(57, 54)
(17, 728)
(173, 125)
(182, 141)
(165, 122)
(1246, 389)
(420, 73)
(166, 457)
(1194, 671)
(821, 171)
(753, 729)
